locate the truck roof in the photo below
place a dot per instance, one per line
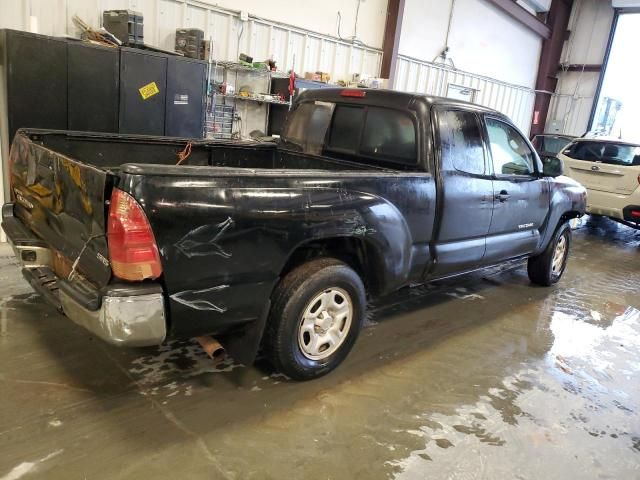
(384, 97)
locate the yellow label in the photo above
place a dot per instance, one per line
(149, 90)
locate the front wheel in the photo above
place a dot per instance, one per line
(547, 268)
(315, 318)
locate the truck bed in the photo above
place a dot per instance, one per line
(62, 182)
(111, 151)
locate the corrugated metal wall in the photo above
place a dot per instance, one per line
(258, 37)
(590, 25)
(262, 38)
(434, 79)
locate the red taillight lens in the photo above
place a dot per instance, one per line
(132, 246)
(635, 213)
(353, 93)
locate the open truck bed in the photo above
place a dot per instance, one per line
(62, 182)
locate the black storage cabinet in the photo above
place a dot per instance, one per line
(35, 70)
(94, 78)
(140, 69)
(186, 80)
(278, 113)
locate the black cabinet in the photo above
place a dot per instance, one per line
(186, 79)
(143, 84)
(63, 84)
(94, 77)
(35, 71)
(278, 113)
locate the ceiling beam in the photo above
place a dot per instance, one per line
(515, 11)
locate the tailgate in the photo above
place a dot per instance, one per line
(62, 200)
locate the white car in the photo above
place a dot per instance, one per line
(610, 171)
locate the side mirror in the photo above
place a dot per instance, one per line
(552, 167)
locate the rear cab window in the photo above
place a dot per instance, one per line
(307, 127)
(360, 133)
(604, 152)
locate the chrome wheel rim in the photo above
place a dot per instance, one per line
(559, 255)
(325, 323)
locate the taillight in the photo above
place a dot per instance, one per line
(132, 246)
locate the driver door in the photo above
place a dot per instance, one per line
(520, 194)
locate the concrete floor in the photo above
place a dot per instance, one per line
(483, 377)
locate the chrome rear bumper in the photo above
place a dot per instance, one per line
(133, 320)
(132, 316)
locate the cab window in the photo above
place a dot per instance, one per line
(346, 128)
(372, 132)
(389, 134)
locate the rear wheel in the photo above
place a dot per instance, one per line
(547, 268)
(315, 318)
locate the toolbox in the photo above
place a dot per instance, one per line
(126, 25)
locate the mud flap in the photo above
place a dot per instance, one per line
(243, 345)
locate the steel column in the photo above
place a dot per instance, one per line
(558, 21)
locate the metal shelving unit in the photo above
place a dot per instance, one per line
(221, 113)
(253, 99)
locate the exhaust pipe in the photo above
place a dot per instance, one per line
(212, 347)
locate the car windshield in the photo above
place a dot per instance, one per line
(550, 144)
(605, 152)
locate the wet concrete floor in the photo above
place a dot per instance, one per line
(482, 377)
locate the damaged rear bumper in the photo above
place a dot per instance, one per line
(123, 315)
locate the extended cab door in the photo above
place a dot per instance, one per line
(520, 193)
(466, 192)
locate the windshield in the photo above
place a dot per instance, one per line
(605, 152)
(551, 144)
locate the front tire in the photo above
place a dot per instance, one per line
(315, 318)
(547, 268)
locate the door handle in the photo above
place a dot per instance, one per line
(503, 196)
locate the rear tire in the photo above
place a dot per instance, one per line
(315, 319)
(547, 268)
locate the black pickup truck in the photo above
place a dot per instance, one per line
(140, 239)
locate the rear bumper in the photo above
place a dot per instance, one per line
(132, 316)
(613, 205)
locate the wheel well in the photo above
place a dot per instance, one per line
(569, 215)
(355, 252)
